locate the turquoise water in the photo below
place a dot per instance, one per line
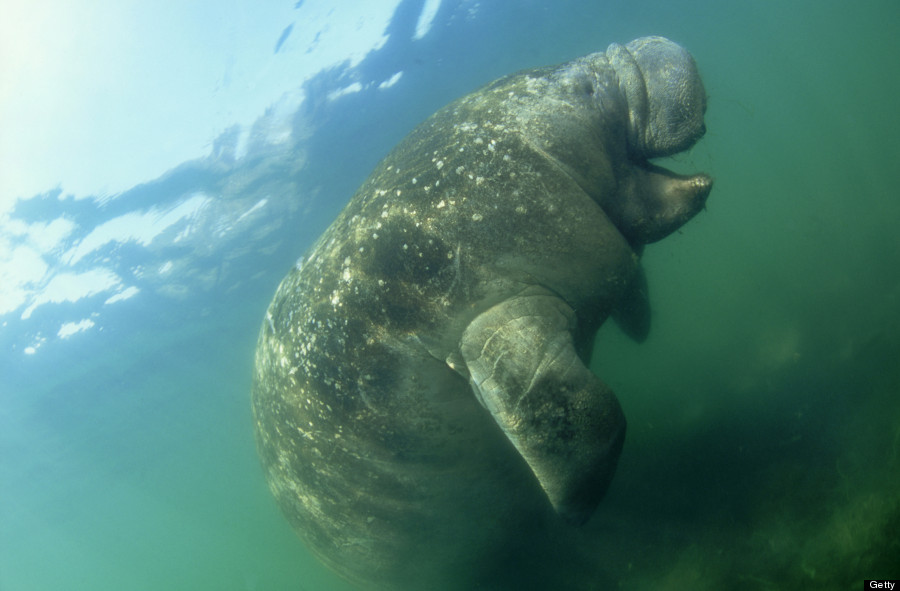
(764, 418)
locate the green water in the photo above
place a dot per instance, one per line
(764, 417)
(763, 449)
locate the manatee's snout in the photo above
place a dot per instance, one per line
(665, 95)
(666, 102)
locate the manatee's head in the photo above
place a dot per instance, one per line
(666, 99)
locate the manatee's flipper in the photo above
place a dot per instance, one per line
(633, 312)
(565, 422)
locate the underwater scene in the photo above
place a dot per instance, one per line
(164, 166)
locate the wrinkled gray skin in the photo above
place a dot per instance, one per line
(423, 409)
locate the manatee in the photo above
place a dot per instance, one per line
(423, 408)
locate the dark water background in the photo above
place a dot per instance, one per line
(764, 419)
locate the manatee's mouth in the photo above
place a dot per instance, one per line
(668, 166)
(654, 148)
(690, 190)
(666, 201)
(656, 166)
